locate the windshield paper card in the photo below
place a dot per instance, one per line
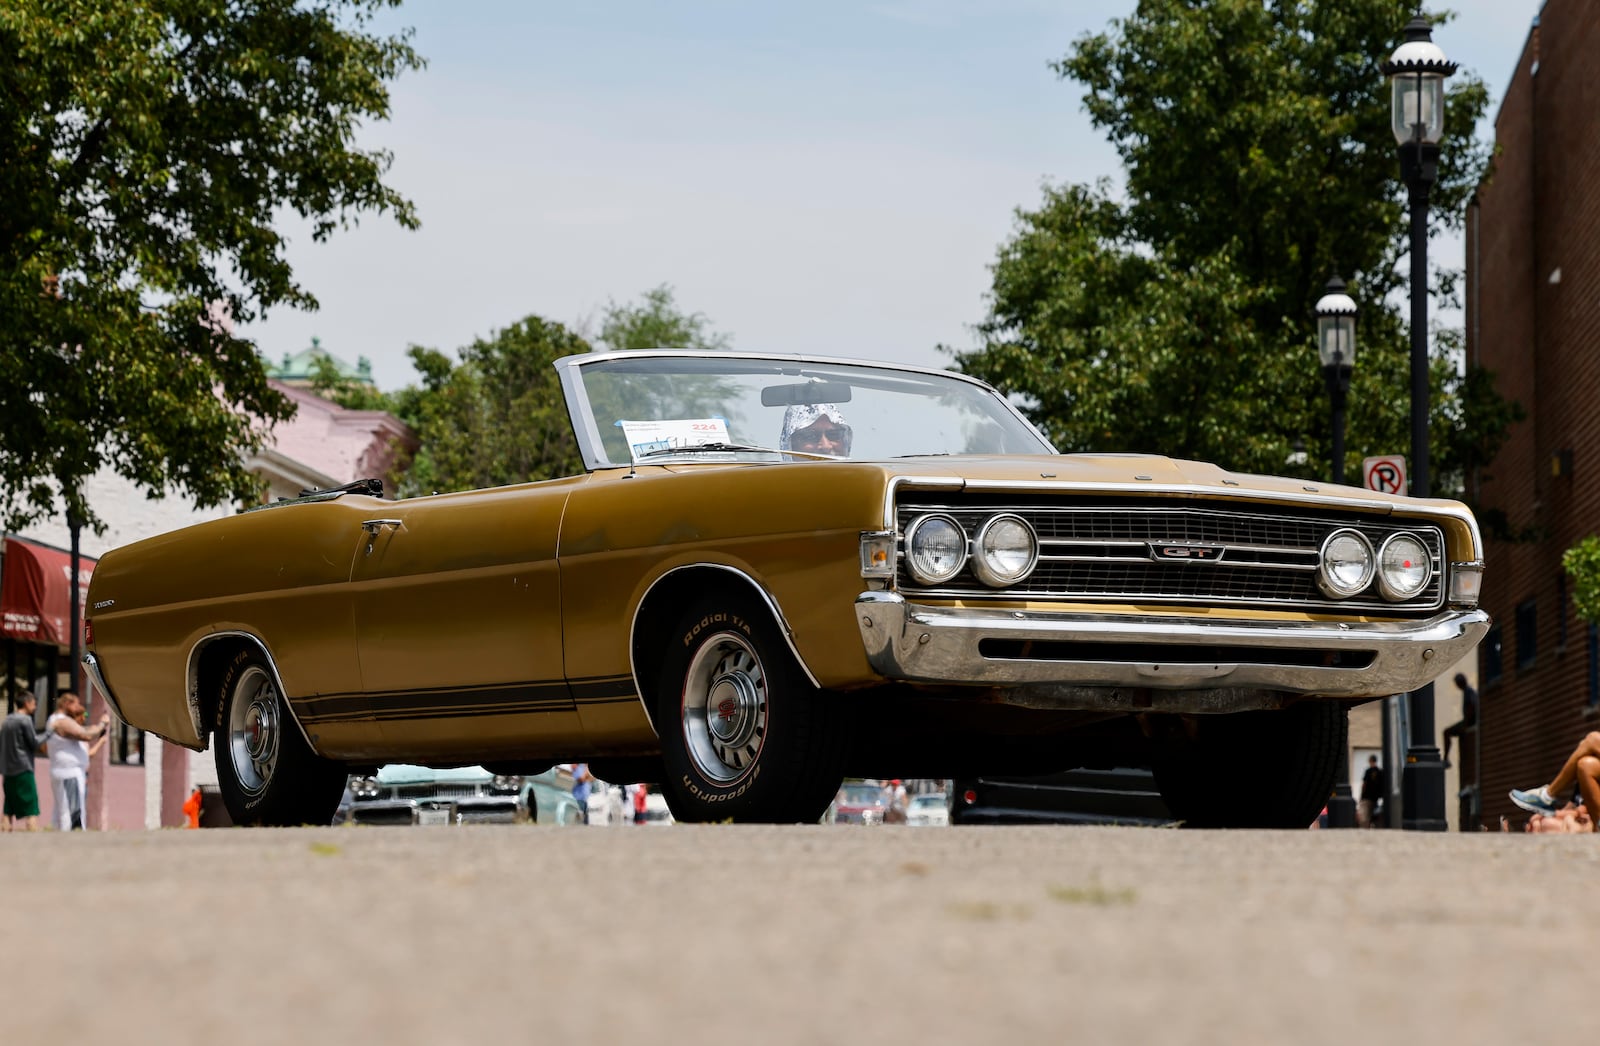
(653, 437)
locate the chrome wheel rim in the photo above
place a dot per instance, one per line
(254, 730)
(725, 707)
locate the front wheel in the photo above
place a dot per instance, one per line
(744, 734)
(266, 772)
(1257, 769)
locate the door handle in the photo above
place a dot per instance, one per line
(373, 526)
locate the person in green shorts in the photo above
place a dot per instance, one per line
(19, 743)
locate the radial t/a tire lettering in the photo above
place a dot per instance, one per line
(745, 736)
(266, 772)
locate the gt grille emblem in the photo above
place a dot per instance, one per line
(1185, 553)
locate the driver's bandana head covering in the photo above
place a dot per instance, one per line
(799, 416)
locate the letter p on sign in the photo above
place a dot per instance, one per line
(1386, 473)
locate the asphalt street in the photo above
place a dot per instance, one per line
(807, 934)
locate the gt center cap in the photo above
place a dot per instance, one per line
(732, 708)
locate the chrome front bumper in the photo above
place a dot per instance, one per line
(91, 668)
(453, 811)
(1062, 659)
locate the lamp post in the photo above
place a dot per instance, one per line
(1336, 350)
(1416, 73)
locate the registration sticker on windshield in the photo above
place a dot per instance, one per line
(655, 437)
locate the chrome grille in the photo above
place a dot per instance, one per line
(1103, 554)
(437, 791)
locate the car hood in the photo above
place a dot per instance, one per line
(1134, 472)
(403, 773)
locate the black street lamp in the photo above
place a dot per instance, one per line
(1336, 349)
(1417, 71)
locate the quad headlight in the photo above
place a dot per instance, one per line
(1404, 567)
(1006, 551)
(936, 549)
(1346, 564)
(364, 787)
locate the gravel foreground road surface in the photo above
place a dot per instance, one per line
(805, 934)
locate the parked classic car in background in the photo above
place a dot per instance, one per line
(780, 570)
(403, 794)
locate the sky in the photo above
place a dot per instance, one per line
(833, 177)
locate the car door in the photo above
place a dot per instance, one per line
(457, 605)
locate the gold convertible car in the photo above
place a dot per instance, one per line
(777, 571)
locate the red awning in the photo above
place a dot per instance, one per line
(35, 602)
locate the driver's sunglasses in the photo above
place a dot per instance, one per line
(810, 439)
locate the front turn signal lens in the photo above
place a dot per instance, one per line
(877, 553)
(1466, 583)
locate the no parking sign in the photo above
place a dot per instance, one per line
(1386, 473)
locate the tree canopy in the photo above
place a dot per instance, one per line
(1175, 315)
(1582, 564)
(656, 322)
(146, 151)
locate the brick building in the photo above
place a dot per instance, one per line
(1533, 317)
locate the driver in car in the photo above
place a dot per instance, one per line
(815, 428)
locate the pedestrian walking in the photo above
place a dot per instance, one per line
(19, 743)
(582, 785)
(1371, 793)
(895, 802)
(67, 741)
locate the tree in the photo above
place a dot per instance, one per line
(146, 150)
(657, 323)
(494, 418)
(498, 416)
(1582, 564)
(1259, 162)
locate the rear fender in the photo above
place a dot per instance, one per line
(207, 662)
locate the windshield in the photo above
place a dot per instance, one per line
(645, 407)
(860, 795)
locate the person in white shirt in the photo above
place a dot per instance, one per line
(67, 744)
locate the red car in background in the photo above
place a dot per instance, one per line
(858, 802)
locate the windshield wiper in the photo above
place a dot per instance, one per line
(696, 448)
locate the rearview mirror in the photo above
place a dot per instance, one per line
(805, 392)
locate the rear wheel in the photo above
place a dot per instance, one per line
(1257, 769)
(744, 734)
(266, 772)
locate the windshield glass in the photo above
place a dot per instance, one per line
(860, 795)
(650, 408)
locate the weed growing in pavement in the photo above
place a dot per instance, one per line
(1092, 894)
(326, 849)
(989, 911)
